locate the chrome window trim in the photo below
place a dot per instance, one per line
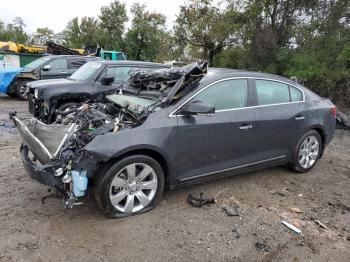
(172, 114)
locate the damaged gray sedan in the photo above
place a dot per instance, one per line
(174, 127)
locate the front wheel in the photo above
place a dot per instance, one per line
(21, 89)
(131, 186)
(308, 151)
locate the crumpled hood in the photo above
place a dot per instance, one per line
(6, 77)
(167, 82)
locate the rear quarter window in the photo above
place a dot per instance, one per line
(295, 94)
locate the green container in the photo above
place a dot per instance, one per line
(27, 58)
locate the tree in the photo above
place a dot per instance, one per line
(90, 32)
(269, 27)
(71, 34)
(321, 59)
(207, 28)
(144, 36)
(77, 35)
(169, 49)
(113, 19)
(2, 29)
(14, 31)
(42, 36)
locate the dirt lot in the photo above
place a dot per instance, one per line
(175, 231)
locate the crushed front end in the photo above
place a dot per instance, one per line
(58, 155)
(54, 155)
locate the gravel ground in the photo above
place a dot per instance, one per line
(175, 231)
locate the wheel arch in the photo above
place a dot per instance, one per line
(12, 86)
(321, 132)
(151, 152)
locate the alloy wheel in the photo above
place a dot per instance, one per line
(308, 152)
(23, 90)
(133, 188)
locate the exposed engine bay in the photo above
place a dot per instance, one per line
(58, 149)
(54, 154)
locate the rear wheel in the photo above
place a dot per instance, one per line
(308, 151)
(131, 186)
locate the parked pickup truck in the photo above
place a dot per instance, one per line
(47, 97)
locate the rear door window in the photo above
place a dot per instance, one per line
(271, 92)
(121, 73)
(76, 63)
(60, 63)
(228, 94)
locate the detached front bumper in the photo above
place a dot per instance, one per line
(40, 173)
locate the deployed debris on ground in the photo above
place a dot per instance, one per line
(262, 246)
(291, 227)
(199, 201)
(342, 121)
(231, 210)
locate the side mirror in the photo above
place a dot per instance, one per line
(46, 68)
(107, 80)
(196, 108)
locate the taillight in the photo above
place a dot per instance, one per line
(333, 110)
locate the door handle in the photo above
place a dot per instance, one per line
(245, 127)
(299, 118)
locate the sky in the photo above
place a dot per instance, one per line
(48, 13)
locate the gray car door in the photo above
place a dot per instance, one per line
(57, 68)
(221, 141)
(279, 118)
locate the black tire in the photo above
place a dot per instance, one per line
(11, 94)
(106, 175)
(17, 87)
(296, 165)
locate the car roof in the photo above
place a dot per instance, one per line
(72, 56)
(215, 74)
(130, 62)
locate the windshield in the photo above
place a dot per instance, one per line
(133, 103)
(38, 62)
(86, 71)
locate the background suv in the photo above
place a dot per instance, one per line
(92, 78)
(47, 67)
